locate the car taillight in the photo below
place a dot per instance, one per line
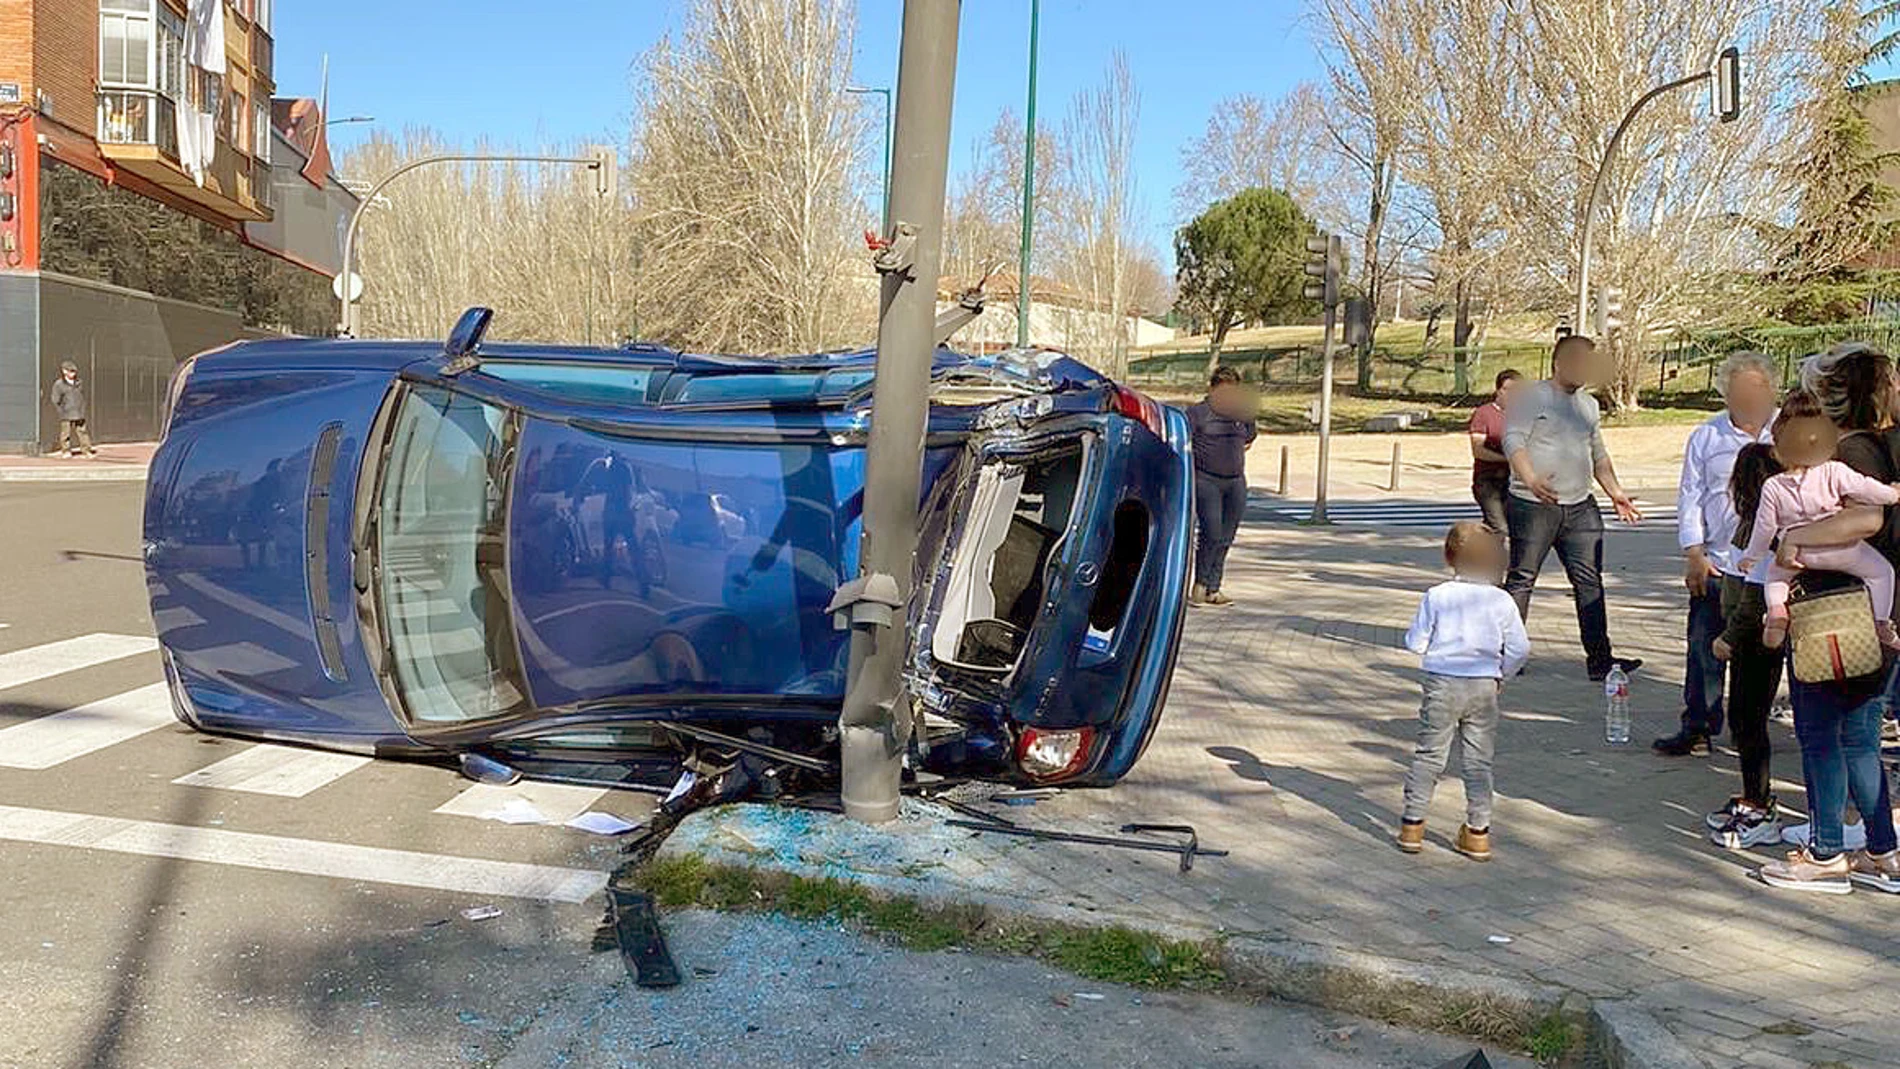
(1050, 755)
(1139, 406)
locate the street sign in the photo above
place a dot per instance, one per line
(356, 286)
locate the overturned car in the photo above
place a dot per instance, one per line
(610, 566)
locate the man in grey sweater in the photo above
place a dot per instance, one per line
(1554, 440)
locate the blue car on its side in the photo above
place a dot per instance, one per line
(613, 565)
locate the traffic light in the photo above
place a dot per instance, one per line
(605, 165)
(1323, 263)
(1563, 327)
(1609, 311)
(1727, 85)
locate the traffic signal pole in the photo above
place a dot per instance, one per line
(876, 722)
(1325, 262)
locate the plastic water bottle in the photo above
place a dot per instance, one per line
(1616, 712)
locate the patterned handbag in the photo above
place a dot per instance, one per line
(1832, 634)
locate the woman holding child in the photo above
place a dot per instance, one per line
(1838, 723)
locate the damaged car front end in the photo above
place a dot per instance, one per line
(617, 566)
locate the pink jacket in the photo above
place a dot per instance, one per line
(1794, 498)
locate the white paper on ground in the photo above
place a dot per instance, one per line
(517, 811)
(684, 784)
(602, 824)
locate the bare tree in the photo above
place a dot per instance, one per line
(983, 221)
(747, 148)
(1098, 213)
(1250, 143)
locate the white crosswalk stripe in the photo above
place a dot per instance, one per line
(285, 771)
(60, 737)
(68, 655)
(1423, 514)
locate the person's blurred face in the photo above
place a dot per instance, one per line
(1751, 397)
(1579, 366)
(1806, 441)
(1481, 557)
(1503, 396)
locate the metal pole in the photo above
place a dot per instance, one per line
(1286, 456)
(1029, 184)
(1325, 416)
(1393, 483)
(347, 322)
(1595, 204)
(875, 724)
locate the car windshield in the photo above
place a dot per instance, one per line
(440, 540)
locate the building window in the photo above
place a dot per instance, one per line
(260, 130)
(263, 15)
(125, 43)
(240, 123)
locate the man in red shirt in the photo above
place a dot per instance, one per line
(1490, 470)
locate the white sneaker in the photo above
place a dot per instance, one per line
(1853, 836)
(1749, 827)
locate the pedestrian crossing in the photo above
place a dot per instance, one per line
(55, 740)
(1422, 515)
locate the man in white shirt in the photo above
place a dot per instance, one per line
(1705, 529)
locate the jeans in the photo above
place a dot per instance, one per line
(1840, 757)
(1490, 491)
(1467, 708)
(1576, 533)
(1219, 503)
(1754, 675)
(1702, 675)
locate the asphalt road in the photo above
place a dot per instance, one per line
(171, 899)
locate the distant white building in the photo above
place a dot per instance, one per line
(1059, 318)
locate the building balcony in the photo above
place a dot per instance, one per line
(138, 132)
(139, 117)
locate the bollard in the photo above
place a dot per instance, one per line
(1285, 455)
(1395, 467)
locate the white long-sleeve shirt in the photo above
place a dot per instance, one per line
(1704, 515)
(1468, 629)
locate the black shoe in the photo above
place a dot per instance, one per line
(1627, 664)
(1684, 743)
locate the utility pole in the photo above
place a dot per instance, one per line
(1726, 101)
(1029, 185)
(876, 722)
(1325, 257)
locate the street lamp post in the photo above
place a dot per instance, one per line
(602, 163)
(885, 92)
(1727, 101)
(1029, 185)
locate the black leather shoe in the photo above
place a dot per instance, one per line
(1627, 664)
(1684, 743)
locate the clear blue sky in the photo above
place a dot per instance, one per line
(561, 70)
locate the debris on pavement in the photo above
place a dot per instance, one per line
(481, 913)
(487, 770)
(602, 823)
(1187, 850)
(642, 944)
(517, 811)
(1500, 940)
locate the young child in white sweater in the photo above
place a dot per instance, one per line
(1469, 639)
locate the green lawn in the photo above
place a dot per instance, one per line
(1284, 412)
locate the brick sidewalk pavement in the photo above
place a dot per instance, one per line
(1286, 738)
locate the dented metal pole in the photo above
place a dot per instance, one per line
(875, 725)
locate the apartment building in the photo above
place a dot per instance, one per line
(141, 179)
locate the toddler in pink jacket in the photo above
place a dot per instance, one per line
(1813, 487)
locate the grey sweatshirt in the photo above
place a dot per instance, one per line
(1562, 431)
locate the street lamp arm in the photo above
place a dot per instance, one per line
(348, 324)
(1595, 203)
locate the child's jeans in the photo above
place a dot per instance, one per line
(1467, 708)
(1857, 559)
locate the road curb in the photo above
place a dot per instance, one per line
(73, 475)
(1630, 1038)
(889, 863)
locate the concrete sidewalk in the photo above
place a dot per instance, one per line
(117, 462)
(1286, 739)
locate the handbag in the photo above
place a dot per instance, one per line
(1831, 634)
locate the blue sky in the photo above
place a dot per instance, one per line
(561, 70)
